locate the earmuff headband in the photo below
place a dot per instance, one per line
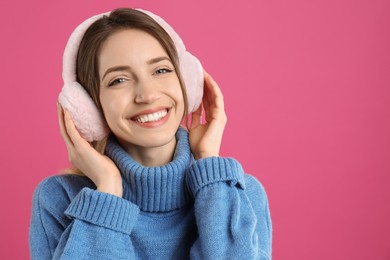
(73, 97)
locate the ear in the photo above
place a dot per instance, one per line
(86, 116)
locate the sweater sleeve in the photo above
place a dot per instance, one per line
(233, 220)
(92, 225)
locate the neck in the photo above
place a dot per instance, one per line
(154, 189)
(151, 156)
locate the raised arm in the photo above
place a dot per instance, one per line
(93, 223)
(232, 214)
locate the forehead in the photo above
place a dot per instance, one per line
(129, 45)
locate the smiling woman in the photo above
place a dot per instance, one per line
(149, 188)
(148, 88)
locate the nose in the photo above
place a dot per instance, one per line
(146, 92)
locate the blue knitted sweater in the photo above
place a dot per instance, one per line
(186, 209)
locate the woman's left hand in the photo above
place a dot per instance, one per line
(205, 139)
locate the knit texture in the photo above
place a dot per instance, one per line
(186, 209)
(154, 189)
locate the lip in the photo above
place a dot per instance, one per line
(154, 123)
(149, 111)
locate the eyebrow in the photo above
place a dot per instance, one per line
(158, 59)
(128, 68)
(115, 68)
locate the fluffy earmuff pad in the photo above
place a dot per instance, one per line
(86, 116)
(192, 73)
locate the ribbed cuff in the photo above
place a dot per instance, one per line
(214, 169)
(104, 210)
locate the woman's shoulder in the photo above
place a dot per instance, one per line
(59, 190)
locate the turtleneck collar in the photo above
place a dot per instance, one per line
(154, 189)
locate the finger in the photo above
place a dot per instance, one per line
(207, 95)
(196, 117)
(214, 92)
(208, 110)
(73, 133)
(61, 120)
(213, 100)
(214, 87)
(206, 102)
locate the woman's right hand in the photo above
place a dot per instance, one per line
(99, 168)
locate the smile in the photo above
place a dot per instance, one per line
(156, 116)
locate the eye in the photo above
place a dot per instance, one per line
(116, 81)
(163, 71)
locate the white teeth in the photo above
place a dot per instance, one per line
(152, 117)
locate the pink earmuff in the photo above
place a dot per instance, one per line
(86, 116)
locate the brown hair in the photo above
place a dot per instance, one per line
(87, 57)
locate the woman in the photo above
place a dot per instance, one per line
(150, 189)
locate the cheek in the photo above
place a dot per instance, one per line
(180, 106)
(178, 96)
(182, 98)
(173, 89)
(111, 106)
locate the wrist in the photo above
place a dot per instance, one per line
(213, 170)
(112, 186)
(199, 156)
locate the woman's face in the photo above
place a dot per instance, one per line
(140, 92)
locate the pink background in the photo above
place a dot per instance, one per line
(307, 92)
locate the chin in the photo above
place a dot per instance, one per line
(148, 138)
(157, 140)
